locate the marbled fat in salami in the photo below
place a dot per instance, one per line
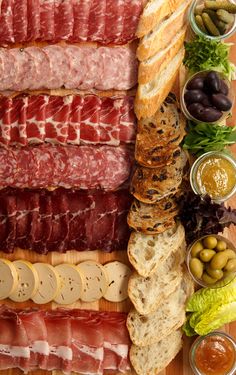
(72, 119)
(63, 220)
(103, 21)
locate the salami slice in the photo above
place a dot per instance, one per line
(9, 69)
(42, 66)
(59, 66)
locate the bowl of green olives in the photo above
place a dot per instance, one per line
(207, 97)
(211, 261)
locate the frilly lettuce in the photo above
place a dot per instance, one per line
(210, 309)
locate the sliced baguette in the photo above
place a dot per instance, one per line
(170, 315)
(148, 293)
(152, 359)
(146, 253)
(157, 63)
(154, 12)
(163, 33)
(150, 96)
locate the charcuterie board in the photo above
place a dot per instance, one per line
(180, 365)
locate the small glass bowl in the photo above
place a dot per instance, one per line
(230, 95)
(199, 340)
(199, 32)
(221, 283)
(194, 171)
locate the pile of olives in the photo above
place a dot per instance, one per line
(206, 97)
(211, 260)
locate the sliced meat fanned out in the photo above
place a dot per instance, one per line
(73, 119)
(64, 21)
(63, 220)
(114, 24)
(75, 67)
(47, 23)
(81, 11)
(97, 21)
(6, 22)
(20, 20)
(33, 31)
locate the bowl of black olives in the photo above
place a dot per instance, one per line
(207, 97)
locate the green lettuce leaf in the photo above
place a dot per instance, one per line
(216, 317)
(188, 330)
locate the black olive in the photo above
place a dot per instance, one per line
(196, 83)
(221, 102)
(223, 88)
(196, 110)
(210, 115)
(206, 102)
(212, 82)
(194, 96)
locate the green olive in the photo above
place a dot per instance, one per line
(196, 267)
(210, 242)
(231, 265)
(207, 254)
(219, 261)
(208, 279)
(230, 253)
(221, 245)
(215, 274)
(196, 248)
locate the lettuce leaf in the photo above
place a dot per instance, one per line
(188, 330)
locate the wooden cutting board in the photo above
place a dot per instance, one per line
(180, 366)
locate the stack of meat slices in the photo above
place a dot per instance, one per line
(76, 132)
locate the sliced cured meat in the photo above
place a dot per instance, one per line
(64, 21)
(114, 23)
(127, 130)
(36, 119)
(5, 121)
(97, 21)
(47, 25)
(81, 11)
(89, 120)
(132, 12)
(20, 21)
(33, 31)
(52, 67)
(74, 136)
(63, 220)
(6, 21)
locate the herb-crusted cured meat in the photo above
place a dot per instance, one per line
(63, 220)
(102, 21)
(72, 119)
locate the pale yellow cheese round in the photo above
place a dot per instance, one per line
(8, 278)
(70, 284)
(49, 283)
(28, 281)
(118, 275)
(95, 281)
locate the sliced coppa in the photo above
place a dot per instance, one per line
(6, 21)
(114, 22)
(63, 18)
(47, 26)
(95, 281)
(20, 20)
(28, 281)
(96, 21)
(81, 11)
(49, 283)
(71, 284)
(33, 31)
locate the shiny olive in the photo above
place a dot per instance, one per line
(210, 242)
(219, 261)
(230, 253)
(208, 279)
(194, 96)
(212, 82)
(206, 102)
(223, 88)
(196, 248)
(197, 83)
(231, 265)
(196, 110)
(221, 245)
(210, 114)
(206, 255)
(216, 274)
(196, 267)
(221, 102)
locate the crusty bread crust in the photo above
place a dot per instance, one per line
(149, 68)
(149, 20)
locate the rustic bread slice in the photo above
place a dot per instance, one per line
(152, 359)
(158, 62)
(150, 96)
(148, 293)
(146, 253)
(170, 315)
(163, 33)
(154, 12)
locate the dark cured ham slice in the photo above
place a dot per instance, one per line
(96, 20)
(20, 21)
(33, 32)
(114, 21)
(6, 21)
(47, 26)
(64, 22)
(81, 10)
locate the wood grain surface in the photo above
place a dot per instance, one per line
(180, 366)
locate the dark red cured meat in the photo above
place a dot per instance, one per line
(132, 12)
(81, 10)
(114, 21)
(64, 22)
(33, 31)
(5, 128)
(96, 21)
(109, 121)
(64, 220)
(89, 120)
(127, 131)
(58, 113)
(6, 21)
(20, 21)
(74, 136)
(47, 25)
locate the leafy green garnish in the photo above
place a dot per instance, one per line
(203, 137)
(205, 54)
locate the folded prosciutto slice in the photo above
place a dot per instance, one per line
(104, 21)
(72, 119)
(83, 341)
(72, 67)
(62, 220)
(84, 167)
